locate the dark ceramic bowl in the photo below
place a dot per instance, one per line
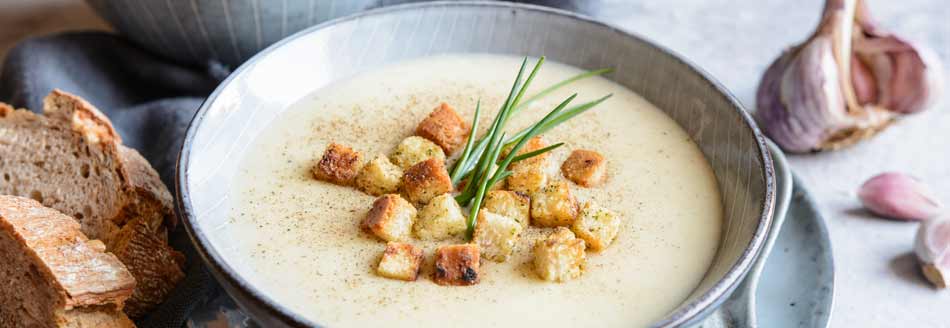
(264, 86)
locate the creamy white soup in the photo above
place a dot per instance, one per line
(298, 239)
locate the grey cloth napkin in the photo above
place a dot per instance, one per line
(150, 101)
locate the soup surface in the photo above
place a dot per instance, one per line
(298, 239)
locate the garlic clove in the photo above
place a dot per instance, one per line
(898, 196)
(932, 247)
(848, 81)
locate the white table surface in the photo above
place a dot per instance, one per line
(878, 283)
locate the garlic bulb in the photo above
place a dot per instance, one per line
(932, 247)
(898, 196)
(845, 83)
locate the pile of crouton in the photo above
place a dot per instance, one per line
(415, 199)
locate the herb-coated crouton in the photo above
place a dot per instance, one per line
(339, 165)
(379, 176)
(400, 261)
(560, 256)
(529, 175)
(596, 225)
(496, 235)
(512, 204)
(425, 180)
(585, 167)
(444, 127)
(415, 149)
(553, 205)
(390, 219)
(456, 265)
(440, 219)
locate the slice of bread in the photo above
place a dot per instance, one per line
(52, 275)
(72, 160)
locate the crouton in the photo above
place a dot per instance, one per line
(529, 175)
(440, 219)
(400, 261)
(339, 165)
(390, 219)
(413, 150)
(553, 205)
(456, 265)
(585, 167)
(559, 257)
(426, 180)
(496, 235)
(444, 127)
(512, 204)
(597, 226)
(379, 176)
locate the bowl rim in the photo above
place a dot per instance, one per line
(690, 312)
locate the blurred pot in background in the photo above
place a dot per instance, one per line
(229, 31)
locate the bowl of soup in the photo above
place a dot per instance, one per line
(687, 172)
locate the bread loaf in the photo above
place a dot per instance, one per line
(72, 160)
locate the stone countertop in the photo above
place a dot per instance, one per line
(878, 283)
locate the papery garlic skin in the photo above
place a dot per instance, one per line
(899, 196)
(847, 82)
(932, 247)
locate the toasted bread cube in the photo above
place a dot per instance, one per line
(596, 225)
(426, 180)
(512, 204)
(400, 261)
(440, 219)
(456, 265)
(390, 219)
(379, 176)
(554, 205)
(496, 235)
(413, 150)
(339, 165)
(444, 127)
(529, 175)
(585, 167)
(559, 257)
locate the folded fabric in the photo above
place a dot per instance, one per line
(149, 99)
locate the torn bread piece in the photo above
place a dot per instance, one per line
(52, 275)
